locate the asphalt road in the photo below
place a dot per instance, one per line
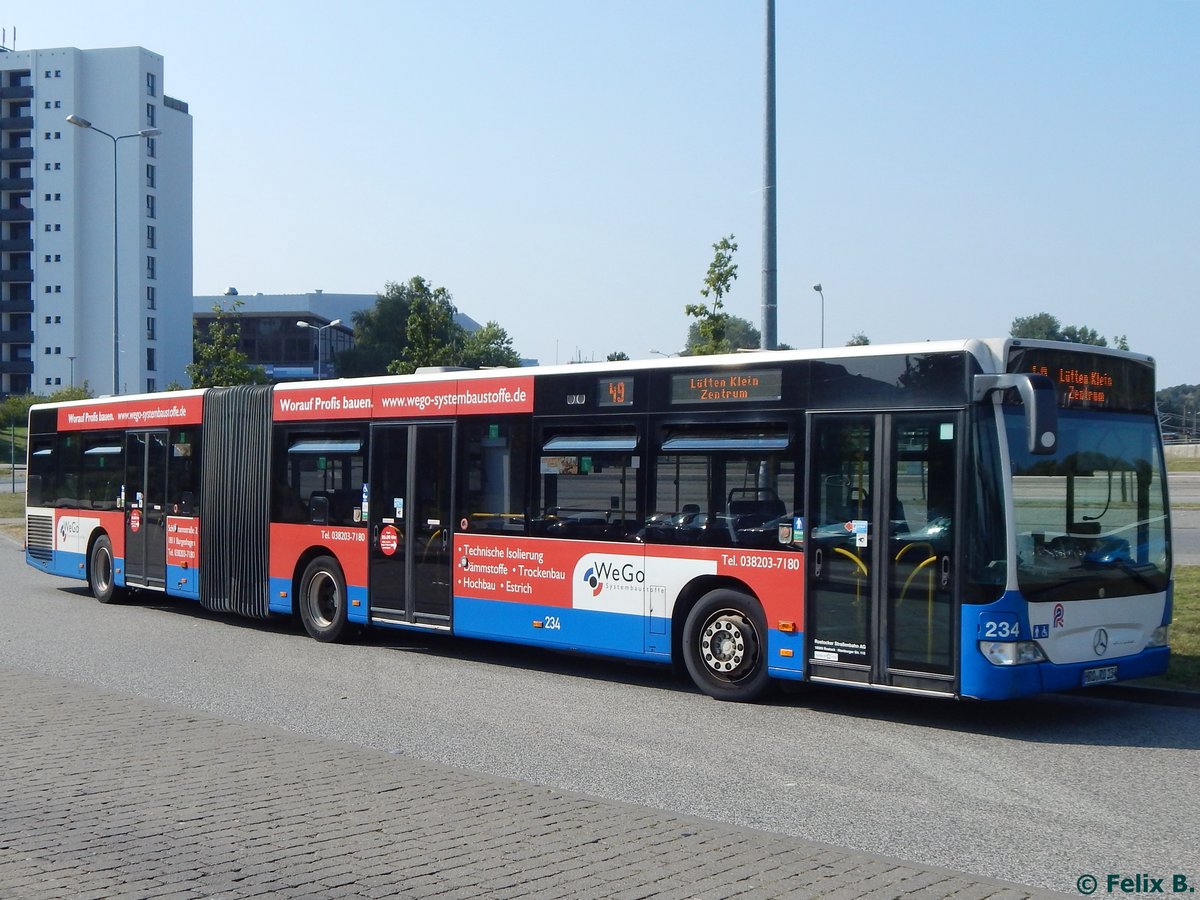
(1037, 793)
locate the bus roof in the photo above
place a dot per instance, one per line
(991, 353)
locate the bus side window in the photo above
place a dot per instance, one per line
(589, 483)
(183, 471)
(494, 476)
(731, 486)
(101, 471)
(590, 497)
(318, 477)
(66, 481)
(40, 488)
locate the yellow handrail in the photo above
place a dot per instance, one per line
(929, 601)
(928, 548)
(913, 574)
(858, 562)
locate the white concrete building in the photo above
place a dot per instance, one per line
(60, 234)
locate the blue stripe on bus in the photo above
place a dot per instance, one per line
(61, 562)
(612, 634)
(357, 614)
(789, 667)
(183, 582)
(281, 600)
(277, 603)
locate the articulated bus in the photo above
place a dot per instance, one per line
(980, 519)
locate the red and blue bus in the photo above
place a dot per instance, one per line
(978, 519)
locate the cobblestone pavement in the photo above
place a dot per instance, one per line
(104, 795)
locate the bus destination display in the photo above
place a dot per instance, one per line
(1090, 380)
(719, 386)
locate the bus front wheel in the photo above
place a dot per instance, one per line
(102, 571)
(724, 646)
(323, 599)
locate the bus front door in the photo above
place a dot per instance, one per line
(410, 523)
(882, 584)
(146, 459)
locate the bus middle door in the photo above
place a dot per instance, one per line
(411, 571)
(146, 459)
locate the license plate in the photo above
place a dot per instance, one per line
(1100, 675)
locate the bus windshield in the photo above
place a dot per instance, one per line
(1090, 520)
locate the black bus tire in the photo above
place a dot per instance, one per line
(724, 646)
(323, 599)
(102, 570)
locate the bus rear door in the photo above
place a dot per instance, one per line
(882, 549)
(146, 459)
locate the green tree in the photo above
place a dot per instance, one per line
(1081, 334)
(412, 325)
(712, 323)
(381, 332)
(1041, 327)
(740, 334)
(617, 356)
(75, 392)
(216, 359)
(14, 410)
(432, 337)
(489, 347)
(1179, 409)
(1045, 327)
(859, 339)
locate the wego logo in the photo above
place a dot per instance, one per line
(593, 581)
(67, 528)
(620, 576)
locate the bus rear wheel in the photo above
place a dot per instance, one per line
(724, 646)
(323, 599)
(102, 571)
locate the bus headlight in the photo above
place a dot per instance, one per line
(1160, 636)
(1011, 653)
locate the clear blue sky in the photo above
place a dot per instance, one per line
(564, 167)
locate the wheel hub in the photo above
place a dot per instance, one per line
(725, 641)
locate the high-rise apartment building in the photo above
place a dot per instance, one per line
(74, 201)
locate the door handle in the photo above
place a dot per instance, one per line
(945, 571)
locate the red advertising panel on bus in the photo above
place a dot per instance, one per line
(402, 400)
(142, 412)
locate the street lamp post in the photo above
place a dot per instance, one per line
(81, 122)
(319, 329)
(817, 288)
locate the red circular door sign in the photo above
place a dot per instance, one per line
(389, 539)
(135, 519)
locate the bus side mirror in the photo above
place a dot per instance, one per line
(1040, 401)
